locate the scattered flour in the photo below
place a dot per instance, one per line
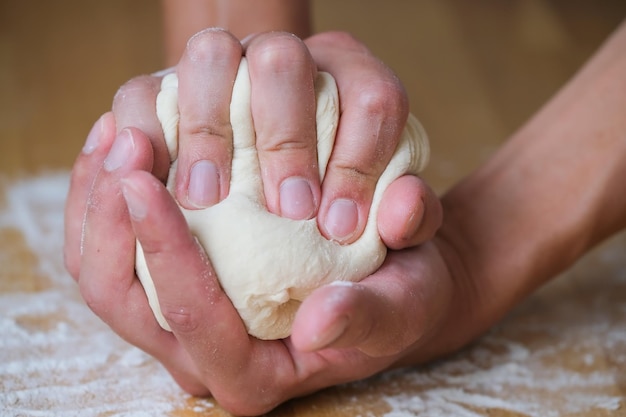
(554, 356)
(73, 366)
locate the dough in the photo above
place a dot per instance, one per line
(267, 264)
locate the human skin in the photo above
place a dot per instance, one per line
(285, 130)
(287, 157)
(182, 19)
(411, 210)
(552, 192)
(96, 196)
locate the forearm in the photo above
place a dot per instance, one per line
(552, 192)
(181, 19)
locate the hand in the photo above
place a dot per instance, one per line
(341, 333)
(106, 234)
(282, 73)
(371, 98)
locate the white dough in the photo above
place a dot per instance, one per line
(268, 264)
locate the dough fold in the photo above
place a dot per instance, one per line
(267, 264)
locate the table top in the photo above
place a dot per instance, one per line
(562, 352)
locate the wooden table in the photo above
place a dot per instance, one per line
(474, 72)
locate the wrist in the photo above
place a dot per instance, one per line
(552, 191)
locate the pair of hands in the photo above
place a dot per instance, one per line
(340, 333)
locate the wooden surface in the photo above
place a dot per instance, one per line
(474, 71)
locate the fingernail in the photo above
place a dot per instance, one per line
(411, 224)
(296, 199)
(120, 151)
(93, 138)
(204, 185)
(342, 219)
(331, 334)
(137, 207)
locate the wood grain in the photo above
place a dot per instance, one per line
(474, 71)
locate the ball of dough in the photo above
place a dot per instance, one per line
(268, 264)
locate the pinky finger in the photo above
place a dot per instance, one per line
(410, 213)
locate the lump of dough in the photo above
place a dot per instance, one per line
(265, 263)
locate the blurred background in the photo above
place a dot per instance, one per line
(474, 70)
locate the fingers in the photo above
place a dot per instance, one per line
(107, 281)
(206, 73)
(282, 75)
(204, 322)
(374, 109)
(84, 172)
(133, 106)
(107, 264)
(384, 314)
(409, 213)
(175, 259)
(200, 315)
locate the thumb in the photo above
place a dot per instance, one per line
(382, 315)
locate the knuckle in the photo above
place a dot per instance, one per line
(200, 131)
(278, 53)
(104, 293)
(383, 108)
(250, 394)
(212, 44)
(95, 296)
(373, 100)
(361, 179)
(135, 89)
(385, 99)
(288, 141)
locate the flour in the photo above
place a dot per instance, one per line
(55, 355)
(556, 355)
